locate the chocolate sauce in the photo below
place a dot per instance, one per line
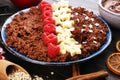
(112, 5)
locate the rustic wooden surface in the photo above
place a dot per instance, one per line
(63, 72)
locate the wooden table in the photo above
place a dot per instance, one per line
(63, 72)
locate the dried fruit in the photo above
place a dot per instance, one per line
(118, 45)
(113, 63)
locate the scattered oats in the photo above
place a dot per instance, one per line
(90, 30)
(52, 73)
(92, 19)
(36, 77)
(86, 18)
(97, 24)
(90, 26)
(18, 75)
(95, 42)
(47, 76)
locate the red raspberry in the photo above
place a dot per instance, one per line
(53, 50)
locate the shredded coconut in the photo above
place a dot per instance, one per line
(84, 42)
(82, 30)
(90, 26)
(76, 13)
(78, 20)
(86, 18)
(90, 30)
(97, 24)
(84, 25)
(92, 19)
(95, 42)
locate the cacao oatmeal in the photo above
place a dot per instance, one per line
(25, 31)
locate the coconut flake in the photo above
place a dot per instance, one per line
(97, 24)
(90, 30)
(95, 42)
(90, 26)
(78, 20)
(84, 42)
(82, 30)
(86, 18)
(92, 19)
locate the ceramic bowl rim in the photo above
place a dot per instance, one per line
(113, 13)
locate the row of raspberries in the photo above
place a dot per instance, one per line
(49, 31)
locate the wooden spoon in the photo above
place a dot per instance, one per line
(4, 65)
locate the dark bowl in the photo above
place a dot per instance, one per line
(25, 3)
(12, 50)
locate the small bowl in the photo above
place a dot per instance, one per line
(25, 3)
(111, 17)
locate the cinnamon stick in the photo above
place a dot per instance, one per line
(75, 70)
(90, 76)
